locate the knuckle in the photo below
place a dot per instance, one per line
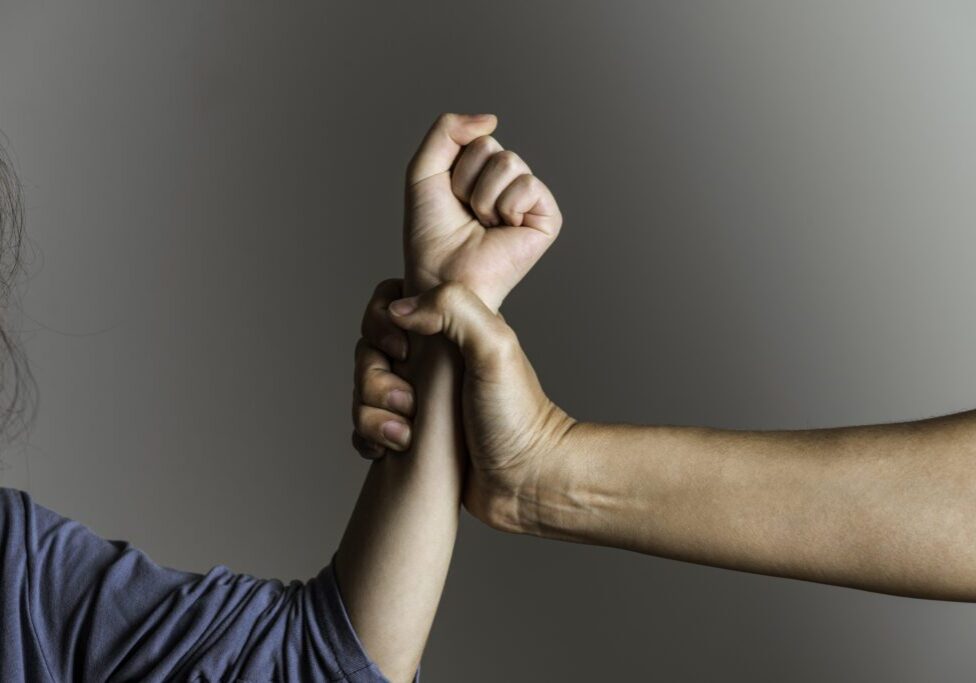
(530, 182)
(481, 204)
(375, 386)
(445, 119)
(460, 187)
(507, 344)
(507, 160)
(359, 418)
(483, 143)
(363, 378)
(483, 209)
(557, 224)
(510, 215)
(506, 211)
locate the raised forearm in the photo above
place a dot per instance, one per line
(889, 508)
(394, 556)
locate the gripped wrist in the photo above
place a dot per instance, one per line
(418, 280)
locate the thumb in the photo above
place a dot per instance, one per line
(444, 141)
(454, 310)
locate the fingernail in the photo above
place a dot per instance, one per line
(404, 306)
(480, 117)
(400, 401)
(396, 432)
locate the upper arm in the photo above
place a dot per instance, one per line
(103, 610)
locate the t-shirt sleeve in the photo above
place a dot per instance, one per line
(103, 610)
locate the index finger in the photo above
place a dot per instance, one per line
(444, 141)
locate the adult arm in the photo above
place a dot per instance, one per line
(888, 508)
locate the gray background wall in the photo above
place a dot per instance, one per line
(769, 224)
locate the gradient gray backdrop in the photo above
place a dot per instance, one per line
(770, 216)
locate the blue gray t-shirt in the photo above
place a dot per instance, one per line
(77, 607)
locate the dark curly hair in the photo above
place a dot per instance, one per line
(18, 390)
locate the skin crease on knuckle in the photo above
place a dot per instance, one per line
(372, 389)
(528, 184)
(513, 196)
(485, 142)
(500, 164)
(506, 160)
(521, 192)
(509, 216)
(483, 148)
(483, 208)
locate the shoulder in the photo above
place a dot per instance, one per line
(8, 496)
(14, 507)
(38, 529)
(18, 508)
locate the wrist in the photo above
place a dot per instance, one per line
(528, 498)
(549, 503)
(418, 280)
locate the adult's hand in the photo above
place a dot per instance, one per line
(511, 427)
(475, 213)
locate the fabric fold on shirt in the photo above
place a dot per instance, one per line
(76, 606)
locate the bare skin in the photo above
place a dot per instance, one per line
(888, 508)
(473, 213)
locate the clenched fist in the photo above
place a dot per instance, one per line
(475, 214)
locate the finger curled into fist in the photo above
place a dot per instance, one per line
(475, 212)
(475, 215)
